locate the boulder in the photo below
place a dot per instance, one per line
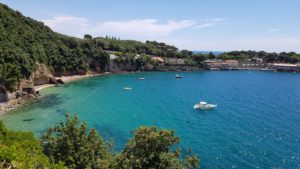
(11, 95)
(52, 79)
(60, 81)
(26, 86)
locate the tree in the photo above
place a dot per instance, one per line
(186, 53)
(211, 55)
(152, 148)
(10, 76)
(73, 144)
(88, 36)
(22, 150)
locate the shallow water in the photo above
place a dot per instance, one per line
(256, 123)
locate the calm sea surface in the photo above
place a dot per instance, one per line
(256, 123)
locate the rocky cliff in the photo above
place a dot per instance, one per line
(42, 76)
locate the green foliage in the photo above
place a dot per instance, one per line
(73, 144)
(136, 47)
(24, 42)
(9, 76)
(284, 57)
(70, 144)
(152, 148)
(21, 149)
(87, 36)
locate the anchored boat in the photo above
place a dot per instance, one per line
(178, 76)
(204, 106)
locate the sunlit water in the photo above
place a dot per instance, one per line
(256, 123)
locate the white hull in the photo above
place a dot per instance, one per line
(204, 107)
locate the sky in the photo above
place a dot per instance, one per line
(203, 25)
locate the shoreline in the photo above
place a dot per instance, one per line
(66, 79)
(15, 103)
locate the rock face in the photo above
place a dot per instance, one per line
(148, 67)
(42, 75)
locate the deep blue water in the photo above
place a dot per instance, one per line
(256, 123)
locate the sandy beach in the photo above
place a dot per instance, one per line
(65, 79)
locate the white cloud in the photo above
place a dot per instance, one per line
(209, 23)
(145, 27)
(216, 19)
(78, 26)
(273, 30)
(68, 25)
(205, 25)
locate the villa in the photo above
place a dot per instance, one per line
(213, 63)
(159, 60)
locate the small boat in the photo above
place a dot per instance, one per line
(178, 76)
(127, 88)
(267, 69)
(204, 106)
(141, 78)
(214, 69)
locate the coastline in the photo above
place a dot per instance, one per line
(66, 79)
(15, 103)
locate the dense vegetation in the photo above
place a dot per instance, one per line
(22, 150)
(24, 42)
(152, 148)
(282, 57)
(72, 145)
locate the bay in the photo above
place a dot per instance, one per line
(256, 123)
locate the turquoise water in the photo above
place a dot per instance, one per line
(256, 123)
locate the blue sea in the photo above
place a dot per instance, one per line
(256, 123)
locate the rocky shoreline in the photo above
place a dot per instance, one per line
(28, 91)
(34, 95)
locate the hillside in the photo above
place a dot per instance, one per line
(26, 42)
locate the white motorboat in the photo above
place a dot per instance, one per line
(178, 76)
(204, 106)
(141, 78)
(127, 88)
